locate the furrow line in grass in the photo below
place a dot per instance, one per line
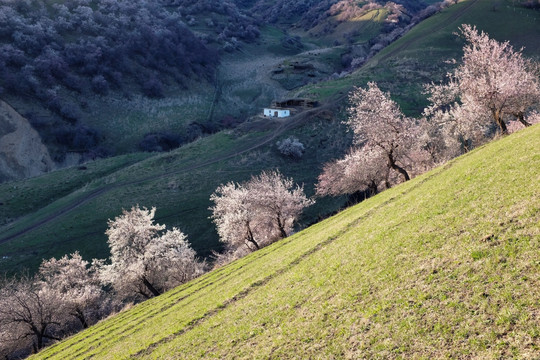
(123, 327)
(252, 262)
(126, 329)
(106, 330)
(244, 293)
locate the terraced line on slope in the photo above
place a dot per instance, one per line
(187, 324)
(193, 288)
(298, 260)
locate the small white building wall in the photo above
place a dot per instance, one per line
(277, 112)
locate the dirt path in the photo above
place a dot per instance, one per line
(283, 126)
(436, 28)
(286, 125)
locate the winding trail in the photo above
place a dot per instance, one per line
(283, 126)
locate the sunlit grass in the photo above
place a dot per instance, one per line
(443, 266)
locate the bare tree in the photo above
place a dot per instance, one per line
(30, 315)
(145, 262)
(77, 285)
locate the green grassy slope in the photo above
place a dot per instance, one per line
(419, 56)
(74, 205)
(444, 266)
(181, 196)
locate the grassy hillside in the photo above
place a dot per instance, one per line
(181, 193)
(65, 211)
(419, 56)
(443, 266)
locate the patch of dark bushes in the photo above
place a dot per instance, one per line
(152, 88)
(97, 45)
(158, 142)
(78, 138)
(167, 141)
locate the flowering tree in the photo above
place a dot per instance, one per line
(386, 142)
(379, 124)
(171, 260)
(261, 210)
(30, 315)
(493, 82)
(291, 147)
(234, 215)
(144, 261)
(278, 201)
(359, 170)
(77, 285)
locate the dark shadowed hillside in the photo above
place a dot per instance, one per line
(85, 71)
(56, 57)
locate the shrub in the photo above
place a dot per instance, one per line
(100, 85)
(291, 147)
(153, 88)
(158, 142)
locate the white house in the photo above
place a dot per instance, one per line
(277, 112)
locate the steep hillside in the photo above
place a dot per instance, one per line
(66, 211)
(102, 78)
(420, 56)
(443, 266)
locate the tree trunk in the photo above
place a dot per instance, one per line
(39, 337)
(372, 188)
(387, 178)
(150, 287)
(497, 116)
(79, 314)
(521, 118)
(282, 232)
(251, 239)
(399, 169)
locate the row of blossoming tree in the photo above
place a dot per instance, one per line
(492, 86)
(69, 294)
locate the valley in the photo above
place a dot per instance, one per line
(385, 204)
(66, 210)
